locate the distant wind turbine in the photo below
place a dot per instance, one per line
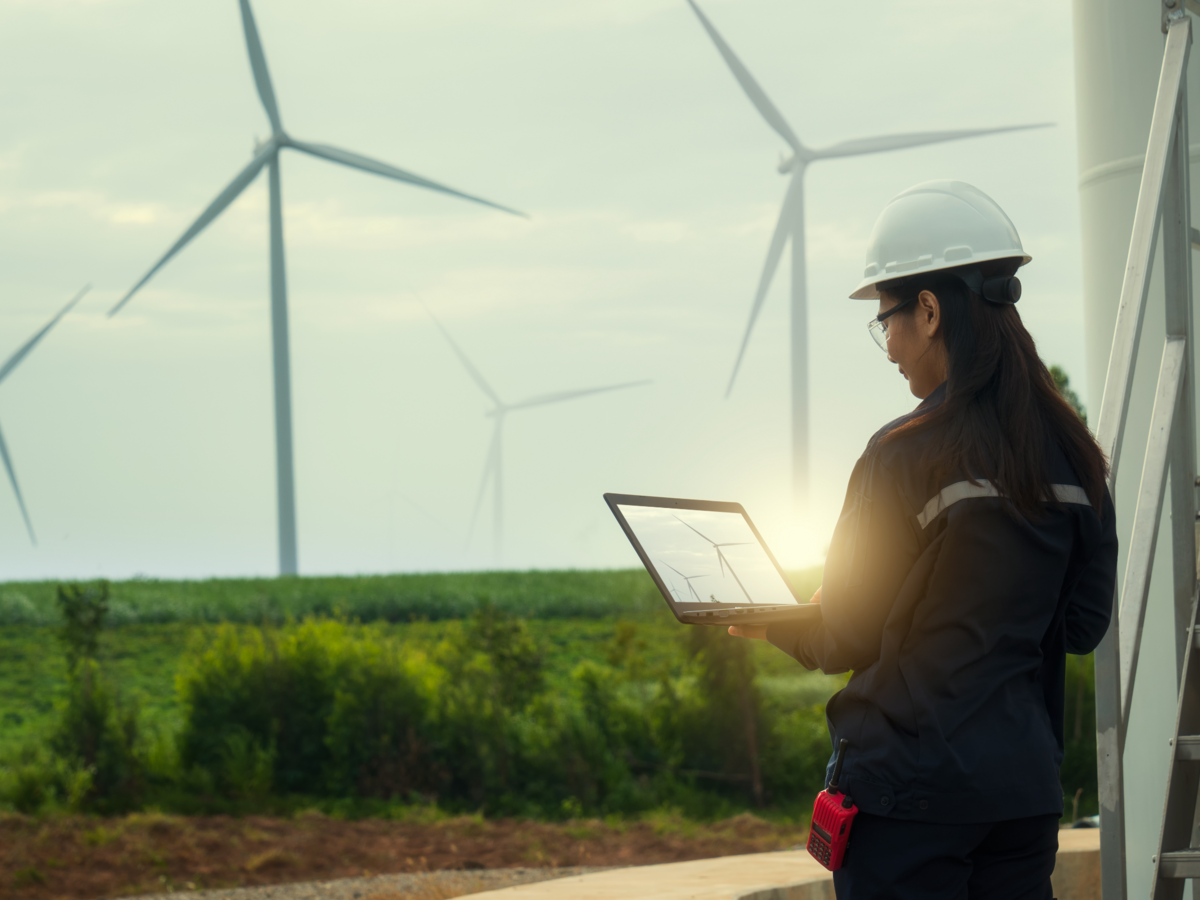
(724, 563)
(493, 468)
(267, 156)
(671, 587)
(5, 370)
(791, 225)
(688, 579)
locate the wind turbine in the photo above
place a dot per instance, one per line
(674, 590)
(791, 225)
(688, 580)
(724, 563)
(267, 156)
(5, 370)
(493, 467)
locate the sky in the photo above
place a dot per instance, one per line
(144, 443)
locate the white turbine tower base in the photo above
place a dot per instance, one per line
(493, 467)
(7, 369)
(267, 156)
(791, 225)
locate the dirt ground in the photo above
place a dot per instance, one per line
(85, 858)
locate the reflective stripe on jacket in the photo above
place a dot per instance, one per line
(955, 613)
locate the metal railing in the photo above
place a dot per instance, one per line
(1163, 200)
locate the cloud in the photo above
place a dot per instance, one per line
(94, 204)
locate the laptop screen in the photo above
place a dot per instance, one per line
(706, 557)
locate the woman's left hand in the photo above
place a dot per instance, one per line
(754, 632)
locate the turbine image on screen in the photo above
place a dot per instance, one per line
(704, 556)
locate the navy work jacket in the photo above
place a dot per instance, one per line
(955, 613)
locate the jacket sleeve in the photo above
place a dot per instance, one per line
(874, 548)
(1090, 608)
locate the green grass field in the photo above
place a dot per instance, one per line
(571, 614)
(393, 598)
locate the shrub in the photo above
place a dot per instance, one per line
(96, 743)
(493, 670)
(83, 610)
(716, 713)
(34, 779)
(251, 694)
(99, 734)
(378, 732)
(336, 710)
(604, 752)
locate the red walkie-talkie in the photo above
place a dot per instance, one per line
(833, 813)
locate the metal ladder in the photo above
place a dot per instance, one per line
(1177, 860)
(1163, 199)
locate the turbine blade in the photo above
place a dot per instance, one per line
(214, 209)
(258, 64)
(543, 399)
(12, 479)
(375, 167)
(489, 472)
(783, 230)
(686, 525)
(863, 146)
(475, 374)
(13, 361)
(756, 94)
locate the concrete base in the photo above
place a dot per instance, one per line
(1077, 870)
(788, 875)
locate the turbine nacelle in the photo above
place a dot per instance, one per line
(274, 142)
(795, 163)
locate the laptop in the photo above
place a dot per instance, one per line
(709, 561)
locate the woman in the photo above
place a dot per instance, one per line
(976, 548)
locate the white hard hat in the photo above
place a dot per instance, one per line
(936, 225)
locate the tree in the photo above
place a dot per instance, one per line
(1063, 383)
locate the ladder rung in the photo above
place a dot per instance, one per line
(1187, 747)
(1180, 864)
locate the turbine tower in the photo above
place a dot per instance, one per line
(267, 156)
(791, 225)
(493, 467)
(5, 370)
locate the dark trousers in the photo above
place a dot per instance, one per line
(921, 861)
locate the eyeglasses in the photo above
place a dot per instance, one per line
(878, 326)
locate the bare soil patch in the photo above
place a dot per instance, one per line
(86, 858)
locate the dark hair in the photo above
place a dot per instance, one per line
(1002, 411)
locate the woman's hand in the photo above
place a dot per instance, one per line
(816, 598)
(754, 632)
